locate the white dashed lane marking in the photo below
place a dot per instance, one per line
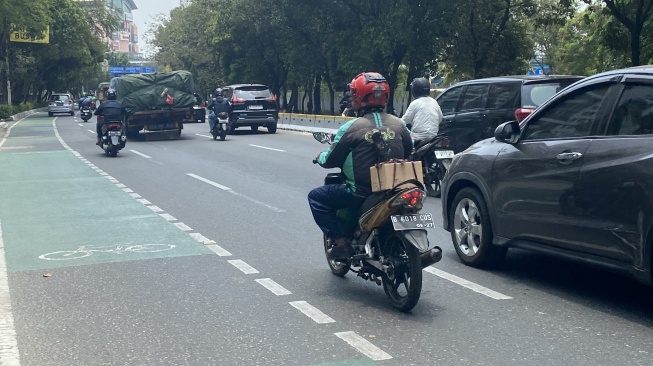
(274, 287)
(183, 227)
(468, 284)
(227, 189)
(202, 239)
(267, 148)
(243, 267)
(312, 312)
(219, 250)
(141, 154)
(363, 346)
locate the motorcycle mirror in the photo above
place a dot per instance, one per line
(323, 137)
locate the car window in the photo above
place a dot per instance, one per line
(534, 95)
(60, 97)
(449, 99)
(572, 116)
(503, 95)
(253, 93)
(634, 112)
(475, 97)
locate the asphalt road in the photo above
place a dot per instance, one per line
(239, 276)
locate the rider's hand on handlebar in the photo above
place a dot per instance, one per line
(315, 160)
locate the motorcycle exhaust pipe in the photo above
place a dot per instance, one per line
(432, 256)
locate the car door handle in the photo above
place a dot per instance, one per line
(569, 156)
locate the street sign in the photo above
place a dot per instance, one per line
(149, 70)
(21, 35)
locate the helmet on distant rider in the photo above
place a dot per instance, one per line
(369, 89)
(111, 94)
(420, 87)
(218, 93)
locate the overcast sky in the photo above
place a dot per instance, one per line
(146, 13)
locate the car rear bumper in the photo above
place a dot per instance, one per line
(60, 109)
(254, 119)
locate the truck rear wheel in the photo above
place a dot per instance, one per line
(132, 132)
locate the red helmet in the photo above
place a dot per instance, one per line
(369, 89)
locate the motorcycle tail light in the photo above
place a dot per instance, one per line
(410, 199)
(115, 125)
(100, 118)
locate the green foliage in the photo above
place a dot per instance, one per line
(6, 111)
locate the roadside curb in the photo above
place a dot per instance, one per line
(307, 129)
(16, 117)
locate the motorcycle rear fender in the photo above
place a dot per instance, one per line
(416, 238)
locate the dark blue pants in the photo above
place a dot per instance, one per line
(325, 201)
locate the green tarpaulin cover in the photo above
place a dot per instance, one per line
(143, 92)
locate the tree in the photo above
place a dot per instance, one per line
(633, 14)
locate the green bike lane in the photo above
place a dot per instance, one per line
(53, 202)
(97, 277)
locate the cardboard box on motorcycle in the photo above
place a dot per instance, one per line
(387, 175)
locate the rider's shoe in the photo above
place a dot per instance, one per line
(341, 250)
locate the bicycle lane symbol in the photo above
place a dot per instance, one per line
(88, 250)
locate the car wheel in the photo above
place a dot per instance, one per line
(72, 113)
(471, 230)
(50, 114)
(272, 128)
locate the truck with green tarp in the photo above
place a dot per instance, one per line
(157, 102)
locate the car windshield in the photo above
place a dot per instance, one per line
(253, 93)
(534, 95)
(59, 97)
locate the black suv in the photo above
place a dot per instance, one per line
(574, 180)
(471, 110)
(252, 105)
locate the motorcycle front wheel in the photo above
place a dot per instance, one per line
(402, 282)
(337, 268)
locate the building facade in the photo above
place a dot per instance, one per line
(126, 39)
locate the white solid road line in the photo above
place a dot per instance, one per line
(268, 148)
(8, 340)
(227, 189)
(312, 312)
(363, 346)
(274, 287)
(141, 154)
(243, 267)
(470, 285)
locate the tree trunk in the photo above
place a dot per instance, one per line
(635, 45)
(317, 91)
(294, 99)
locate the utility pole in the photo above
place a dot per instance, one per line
(6, 44)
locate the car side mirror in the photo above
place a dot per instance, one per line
(507, 132)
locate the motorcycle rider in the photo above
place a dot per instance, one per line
(345, 104)
(218, 104)
(423, 113)
(109, 109)
(354, 152)
(86, 102)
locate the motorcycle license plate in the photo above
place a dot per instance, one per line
(444, 154)
(114, 133)
(412, 221)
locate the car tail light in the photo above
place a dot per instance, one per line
(52, 102)
(235, 99)
(410, 199)
(522, 113)
(272, 99)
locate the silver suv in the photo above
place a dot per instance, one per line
(61, 103)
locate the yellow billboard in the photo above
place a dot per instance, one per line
(20, 35)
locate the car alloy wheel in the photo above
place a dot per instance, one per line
(471, 230)
(468, 227)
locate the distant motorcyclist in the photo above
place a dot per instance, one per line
(423, 114)
(218, 104)
(86, 102)
(346, 109)
(110, 109)
(354, 152)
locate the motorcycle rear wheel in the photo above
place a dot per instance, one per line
(403, 287)
(337, 268)
(223, 135)
(112, 151)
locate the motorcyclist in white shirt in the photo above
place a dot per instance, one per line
(423, 114)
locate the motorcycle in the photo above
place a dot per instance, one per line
(113, 136)
(86, 113)
(221, 126)
(388, 236)
(436, 159)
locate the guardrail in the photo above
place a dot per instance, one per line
(311, 122)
